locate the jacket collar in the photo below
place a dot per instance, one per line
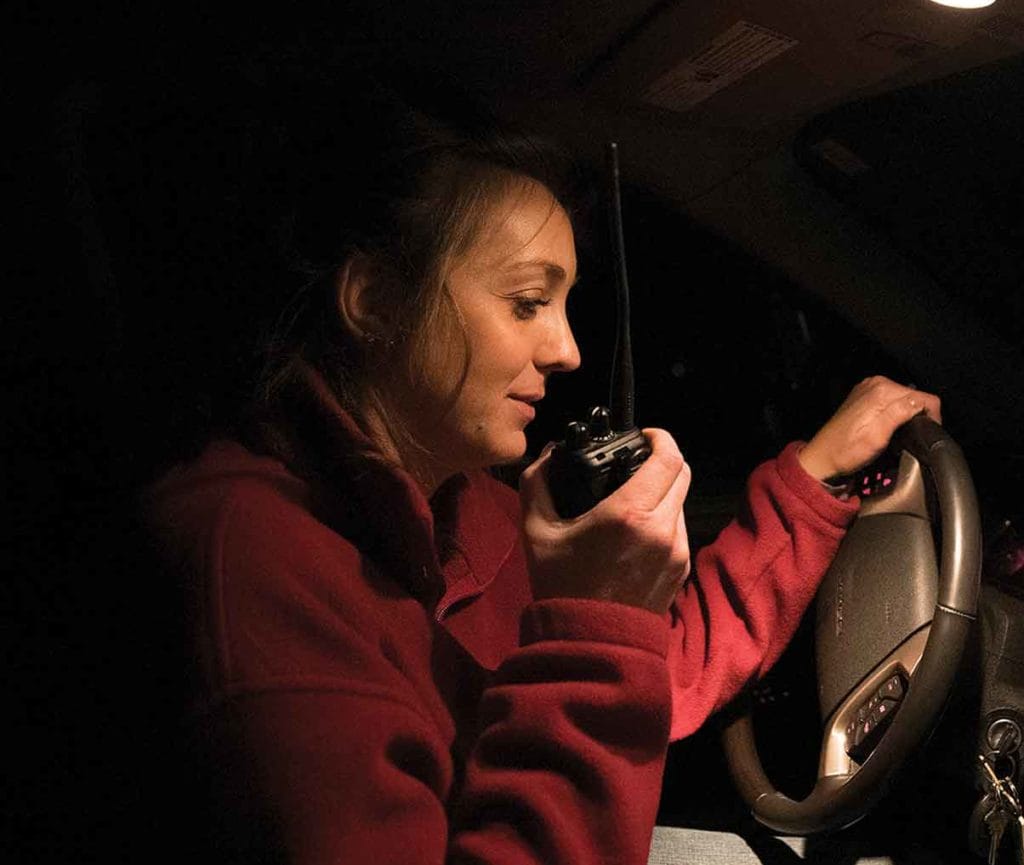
(442, 550)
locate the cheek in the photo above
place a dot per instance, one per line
(469, 368)
(497, 364)
(437, 366)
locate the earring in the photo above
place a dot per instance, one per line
(373, 340)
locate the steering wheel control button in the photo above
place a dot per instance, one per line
(868, 734)
(873, 718)
(893, 688)
(878, 478)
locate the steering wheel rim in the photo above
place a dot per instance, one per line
(846, 789)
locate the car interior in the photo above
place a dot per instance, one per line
(812, 193)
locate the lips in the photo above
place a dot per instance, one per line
(525, 403)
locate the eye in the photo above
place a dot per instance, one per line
(525, 308)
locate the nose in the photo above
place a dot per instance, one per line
(558, 351)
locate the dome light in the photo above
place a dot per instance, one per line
(965, 4)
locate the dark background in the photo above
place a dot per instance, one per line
(121, 212)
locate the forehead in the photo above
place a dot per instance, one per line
(526, 224)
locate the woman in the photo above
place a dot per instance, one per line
(399, 660)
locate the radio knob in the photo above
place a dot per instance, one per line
(600, 423)
(577, 435)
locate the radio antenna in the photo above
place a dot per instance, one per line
(600, 454)
(621, 401)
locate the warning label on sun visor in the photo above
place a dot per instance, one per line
(728, 58)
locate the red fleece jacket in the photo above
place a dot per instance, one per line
(384, 690)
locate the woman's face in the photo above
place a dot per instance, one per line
(510, 290)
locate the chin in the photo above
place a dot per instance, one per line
(508, 450)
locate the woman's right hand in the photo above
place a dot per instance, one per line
(631, 548)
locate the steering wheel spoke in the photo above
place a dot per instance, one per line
(862, 718)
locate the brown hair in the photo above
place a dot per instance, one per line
(411, 196)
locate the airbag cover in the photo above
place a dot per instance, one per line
(880, 589)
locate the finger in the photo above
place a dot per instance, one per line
(932, 405)
(672, 503)
(679, 563)
(898, 411)
(925, 402)
(683, 544)
(910, 404)
(890, 391)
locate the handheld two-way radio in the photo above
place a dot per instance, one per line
(599, 454)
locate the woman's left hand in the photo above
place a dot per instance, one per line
(861, 428)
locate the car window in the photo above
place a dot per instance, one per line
(937, 169)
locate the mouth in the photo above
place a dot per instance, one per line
(525, 403)
(529, 398)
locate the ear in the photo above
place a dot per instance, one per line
(357, 297)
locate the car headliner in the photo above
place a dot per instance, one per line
(584, 69)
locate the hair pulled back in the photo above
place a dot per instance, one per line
(409, 194)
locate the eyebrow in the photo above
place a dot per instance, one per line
(553, 271)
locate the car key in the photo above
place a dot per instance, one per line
(1006, 809)
(996, 821)
(1017, 817)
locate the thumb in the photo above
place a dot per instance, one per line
(533, 486)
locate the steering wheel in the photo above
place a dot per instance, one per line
(890, 630)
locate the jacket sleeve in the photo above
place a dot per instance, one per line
(569, 764)
(345, 748)
(750, 588)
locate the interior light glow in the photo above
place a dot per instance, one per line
(965, 4)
